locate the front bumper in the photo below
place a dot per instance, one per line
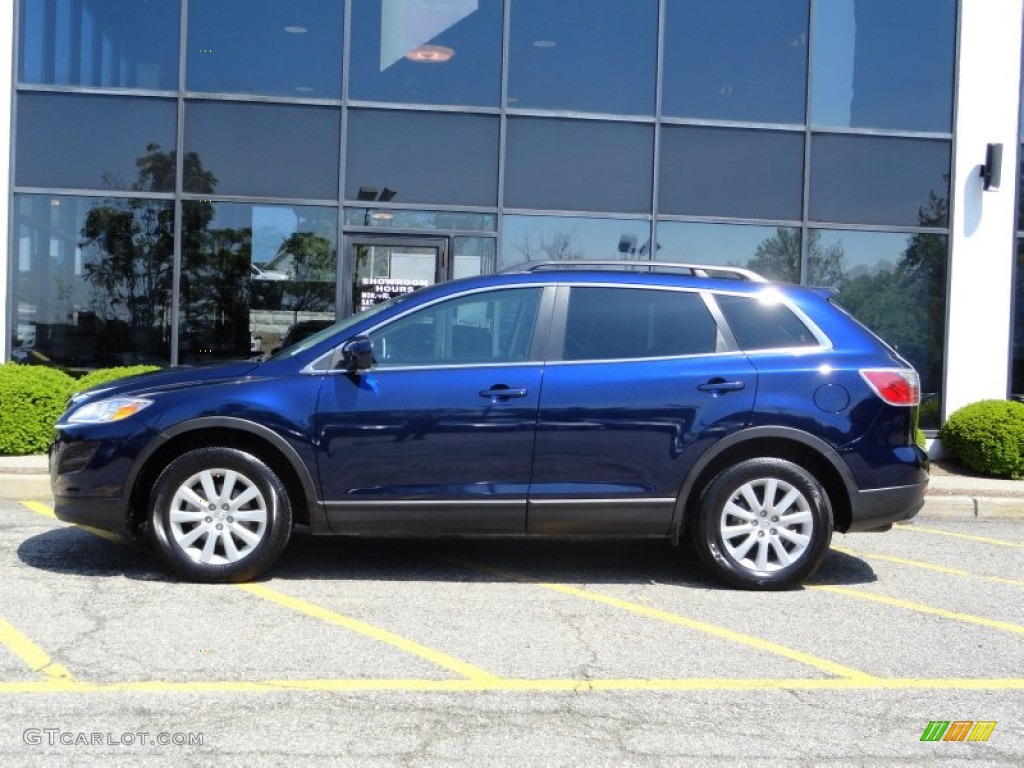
(89, 480)
(105, 514)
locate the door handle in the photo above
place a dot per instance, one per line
(500, 392)
(719, 386)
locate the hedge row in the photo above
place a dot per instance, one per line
(988, 437)
(32, 398)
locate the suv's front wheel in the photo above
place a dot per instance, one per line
(764, 523)
(219, 515)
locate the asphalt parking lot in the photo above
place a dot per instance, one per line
(509, 653)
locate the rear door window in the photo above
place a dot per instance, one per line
(623, 323)
(759, 324)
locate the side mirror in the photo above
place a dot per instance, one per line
(354, 355)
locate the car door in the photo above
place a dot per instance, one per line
(437, 437)
(640, 383)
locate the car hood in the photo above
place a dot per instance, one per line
(168, 379)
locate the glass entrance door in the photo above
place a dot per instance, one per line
(386, 267)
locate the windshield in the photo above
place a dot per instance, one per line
(336, 329)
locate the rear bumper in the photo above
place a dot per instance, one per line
(879, 508)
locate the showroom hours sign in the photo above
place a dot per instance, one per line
(374, 290)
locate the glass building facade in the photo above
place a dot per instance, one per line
(194, 178)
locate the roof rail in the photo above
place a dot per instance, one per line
(700, 270)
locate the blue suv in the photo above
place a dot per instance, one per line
(572, 399)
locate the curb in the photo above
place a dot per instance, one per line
(971, 508)
(16, 487)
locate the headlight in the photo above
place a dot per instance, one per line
(114, 409)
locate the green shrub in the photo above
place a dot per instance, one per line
(988, 436)
(105, 375)
(32, 397)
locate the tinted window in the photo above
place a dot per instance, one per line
(93, 281)
(422, 157)
(96, 142)
(618, 323)
(265, 46)
(758, 324)
(562, 238)
(730, 60)
(880, 64)
(1017, 372)
(395, 218)
(492, 327)
(474, 256)
(253, 274)
(108, 44)
(600, 59)
(579, 165)
(726, 172)
(264, 149)
(879, 180)
(426, 52)
(770, 251)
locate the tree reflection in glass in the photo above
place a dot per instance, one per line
(252, 274)
(896, 285)
(95, 275)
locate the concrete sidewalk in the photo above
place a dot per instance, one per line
(950, 496)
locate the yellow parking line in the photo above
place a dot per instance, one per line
(982, 539)
(824, 665)
(450, 663)
(513, 685)
(927, 566)
(479, 680)
(35, 657)
(921, 608)
(45, 511)
(410, 646)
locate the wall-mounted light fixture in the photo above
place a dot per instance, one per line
(992, 170)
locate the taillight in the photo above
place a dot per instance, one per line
(896, 386)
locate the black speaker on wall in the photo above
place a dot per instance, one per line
(992, 170)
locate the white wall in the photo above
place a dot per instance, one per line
(6, 181)
(983, 223)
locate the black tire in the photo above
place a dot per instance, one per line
(219, 515)
(783, 545)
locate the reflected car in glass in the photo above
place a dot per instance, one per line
(693, 403)
(257, 272)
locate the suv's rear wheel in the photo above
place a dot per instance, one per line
(764, 523)
(219, 515)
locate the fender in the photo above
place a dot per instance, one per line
(317, 516)
(816, 444)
